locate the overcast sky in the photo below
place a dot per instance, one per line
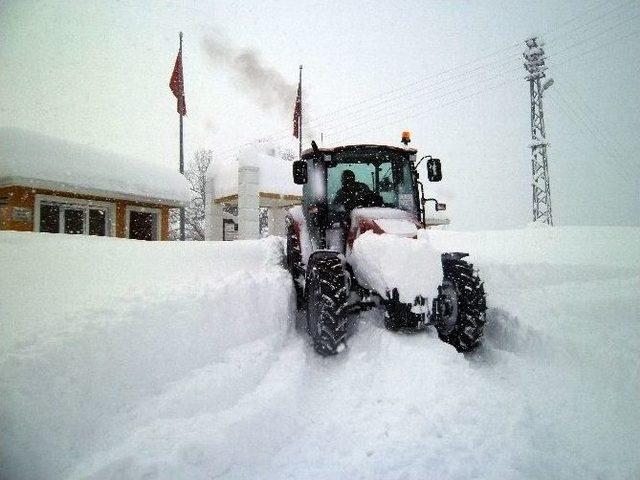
(450, 72)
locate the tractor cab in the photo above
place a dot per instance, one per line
(339, 180)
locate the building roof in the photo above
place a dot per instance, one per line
(38, 161)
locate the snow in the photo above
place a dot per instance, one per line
(382, 262)
(31, 159)
(373, 213)
(134, 360)
(275, 174)
(402, 228)
(305, 239)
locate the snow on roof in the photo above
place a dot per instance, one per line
(31, 159)
(275, 173)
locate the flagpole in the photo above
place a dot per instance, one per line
(182, 235)
(300, 119)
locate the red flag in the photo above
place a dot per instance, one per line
(297, 113)
(176, 84)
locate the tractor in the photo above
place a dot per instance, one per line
(353, 190)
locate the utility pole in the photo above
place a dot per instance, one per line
(300, 116)
(182, 234)
(535, 67)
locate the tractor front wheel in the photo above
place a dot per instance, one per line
(327, 293)
(461, 304)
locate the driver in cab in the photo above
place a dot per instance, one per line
(354, 194)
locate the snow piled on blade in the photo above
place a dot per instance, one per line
(138, 360)
(383, 262)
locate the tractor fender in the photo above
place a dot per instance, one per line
(293, 223)
(454, 256)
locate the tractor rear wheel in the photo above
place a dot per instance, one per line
(327, 294)
(461, 305)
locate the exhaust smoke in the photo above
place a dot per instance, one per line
(265, 85)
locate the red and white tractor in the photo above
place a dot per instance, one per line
(351, 194)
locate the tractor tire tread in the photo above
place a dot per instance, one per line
(472, 305)
(327, 274)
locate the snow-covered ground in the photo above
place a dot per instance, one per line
(133, 360)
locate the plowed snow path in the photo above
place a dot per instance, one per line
(151, 390)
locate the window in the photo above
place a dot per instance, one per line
(49, 218)
(143, 223)
(229, 229)
(97, 222)
(376, 182)
(364, 173)
(4, 202)
(73, 216)
(74, 220)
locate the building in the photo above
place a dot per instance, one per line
(258, 179)
(54, 186)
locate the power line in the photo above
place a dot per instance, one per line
(582, 145)
(510, 47)
(593, 134)
(597, 47)
(566, 59)
(602, 32)
(447, 81)
(589, 22)
(602, 126)
(432, 109)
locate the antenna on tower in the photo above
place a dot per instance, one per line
(535, 67)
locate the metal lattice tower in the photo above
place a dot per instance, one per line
(534, 64)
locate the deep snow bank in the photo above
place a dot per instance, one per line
(168, 382)
(539, 244)
(92, 328)
(47, 277)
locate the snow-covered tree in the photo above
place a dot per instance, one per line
(196, 175)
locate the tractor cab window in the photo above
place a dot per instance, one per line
(370, 183)
(352, 185)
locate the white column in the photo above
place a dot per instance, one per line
(212, 213)
(278, 214)
(272, 220)
(248, 202)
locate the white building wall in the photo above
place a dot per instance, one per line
(277, 221)
(212, 213)
(248, 202)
